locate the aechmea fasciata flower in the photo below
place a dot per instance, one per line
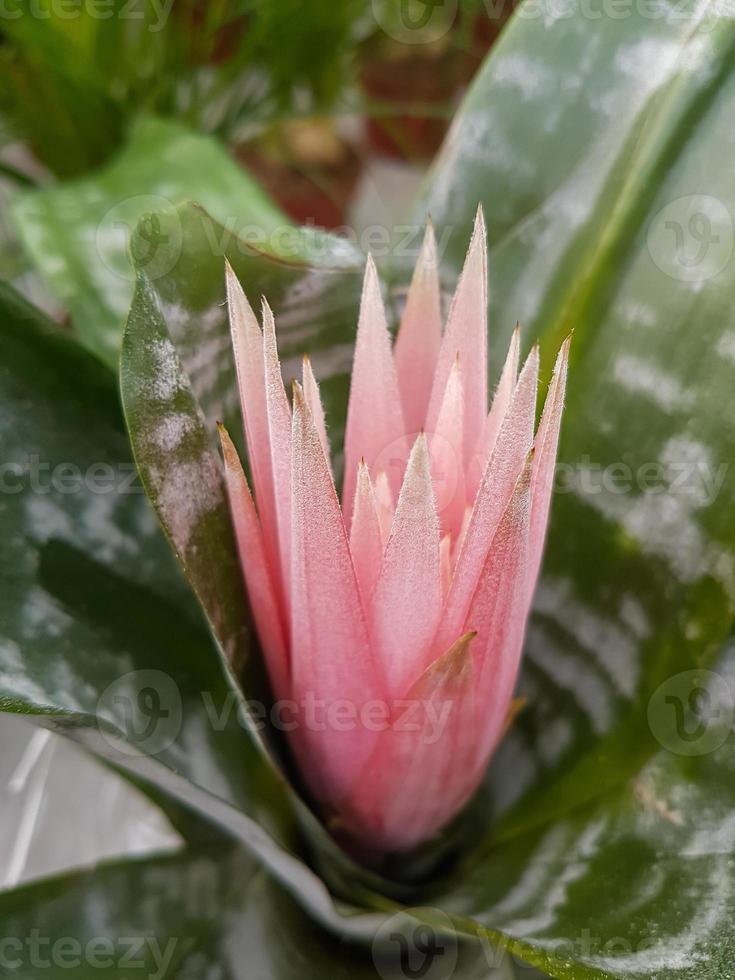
(392, 624)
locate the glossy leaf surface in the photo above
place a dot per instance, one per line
(205, 912)
(78, 232)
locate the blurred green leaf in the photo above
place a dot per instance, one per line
(640, 884)
(77, 233)
(202, 913)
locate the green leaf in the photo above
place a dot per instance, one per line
(639, 884)
(201, 912)
(77, 232)
(94, 610)
(186, 915)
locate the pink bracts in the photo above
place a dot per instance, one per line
(392, 625)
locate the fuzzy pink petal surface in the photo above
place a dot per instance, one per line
(446, 449)
(375, 428)
(498, 615)
(407, 597)
(255, 568)
(247, 343)
(331, 656)
(513, 445)
(466, 335)
(416, 777)
(419, 336)
(386, 505)
(314, 404)
(547, 442)
(366, 538)
(496, 415)
(279, 429)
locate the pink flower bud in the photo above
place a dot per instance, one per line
(392, 624)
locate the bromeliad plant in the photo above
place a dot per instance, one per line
(598, 844)
(406, 606)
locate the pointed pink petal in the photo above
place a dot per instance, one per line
(498, 615)
(331, 657)
(247, 343)
(419, 337)
(462, 534)
(255, 568)
(513, 445)
(445, 562)
(446, 448)
(407, 597)
(386, 507)
(375, 429)
(547, 441)
(279, 431)
(466, 335)
(314, 404)
(366, 542)
(421, 770)
(501, 404)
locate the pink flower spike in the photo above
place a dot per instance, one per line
(255, 567)
(419, 336)
(496, 415)
(279, 429)
(414, 782)
(386, 507)
(513, 445)
(247, 345)
(446, 447)
(422, 606)
(314, 404)
(375, 429)
(466, 335)
(547, 441)
(407, 598)
(366, 539)
(331, 655)
(498, 615)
